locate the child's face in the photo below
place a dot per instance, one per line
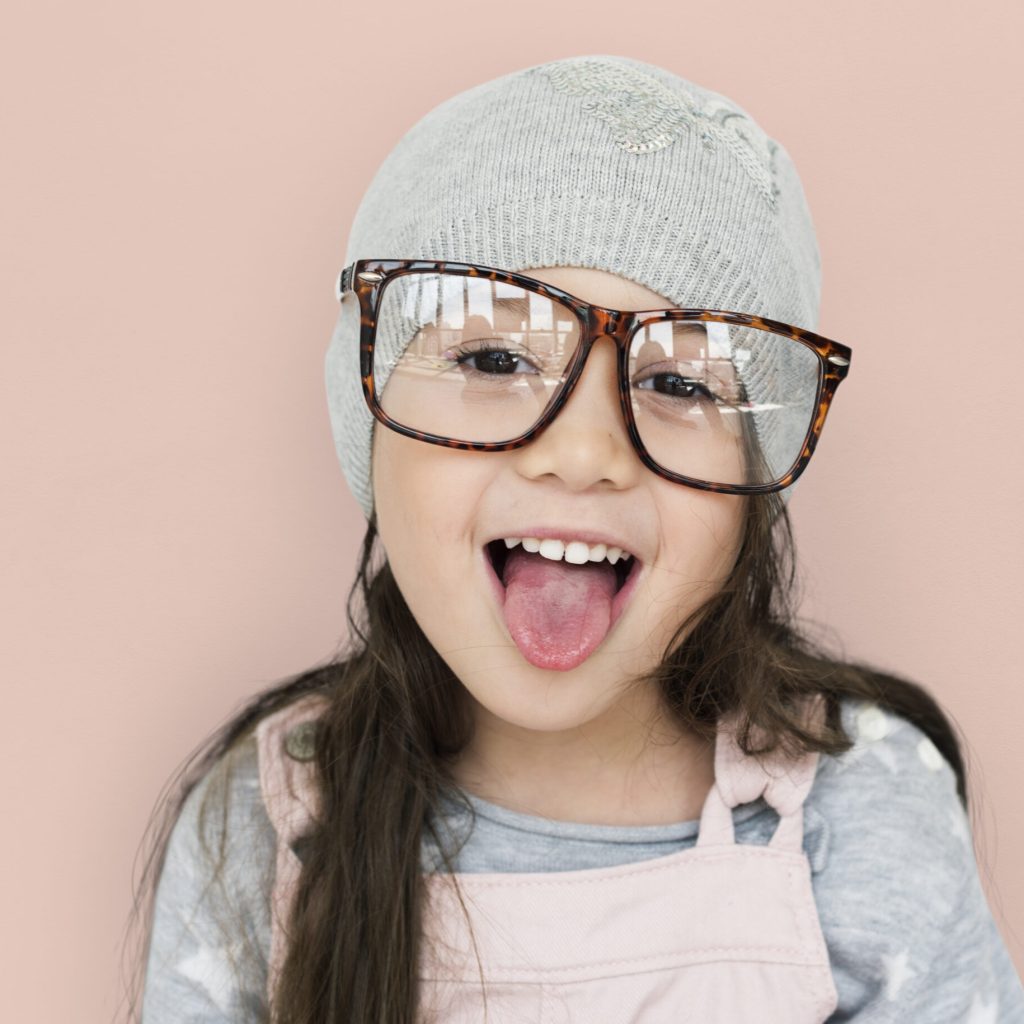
(437, 508)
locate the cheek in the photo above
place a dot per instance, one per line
(719, 526)
(424, 528)
(701, 538)
(430, 489)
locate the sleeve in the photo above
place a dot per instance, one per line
(910, 934)
(210, 935)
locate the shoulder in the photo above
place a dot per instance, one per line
(900, 854)
(239, 801)
(211, 933)
(892, 810)
(222, 829)
(211, 927)
(899, 896)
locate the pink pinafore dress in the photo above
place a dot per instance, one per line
(720, 933)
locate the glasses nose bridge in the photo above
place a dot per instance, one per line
(612, 323)
(600, 322)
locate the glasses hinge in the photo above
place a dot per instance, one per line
(343, 283)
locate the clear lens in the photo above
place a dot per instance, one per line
(721, 402)
(480, 361)
(469, 358)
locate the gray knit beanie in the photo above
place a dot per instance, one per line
(595, 161)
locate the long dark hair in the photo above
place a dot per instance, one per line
(397, 718)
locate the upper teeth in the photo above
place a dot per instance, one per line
(574, 551)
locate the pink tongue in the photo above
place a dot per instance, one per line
(557, 612)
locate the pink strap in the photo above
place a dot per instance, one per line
(291, 800)
(740, 779)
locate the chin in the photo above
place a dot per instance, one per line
(548, 702)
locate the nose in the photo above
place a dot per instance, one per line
(587, 444)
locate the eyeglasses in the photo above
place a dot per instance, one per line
(481, 359)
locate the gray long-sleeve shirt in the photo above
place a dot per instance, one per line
(910, 935)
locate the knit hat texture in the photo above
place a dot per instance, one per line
(593, 161)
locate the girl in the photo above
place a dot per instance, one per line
(579, 763)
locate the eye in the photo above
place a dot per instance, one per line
(674, 385)
(491, 359)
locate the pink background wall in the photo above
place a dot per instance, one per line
(178, 186)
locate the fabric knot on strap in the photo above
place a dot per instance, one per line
(783, 781)
(286, 772)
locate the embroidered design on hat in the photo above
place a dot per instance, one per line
(645, 115)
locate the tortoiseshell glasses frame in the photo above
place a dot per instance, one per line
(368, 277)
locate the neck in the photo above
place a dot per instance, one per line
(622, 768)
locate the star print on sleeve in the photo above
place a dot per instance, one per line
(212, 970)
(897, 971)
(983, 1010)
(871, 726)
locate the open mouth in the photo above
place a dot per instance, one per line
(558, 612)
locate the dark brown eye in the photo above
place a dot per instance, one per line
(493, 361)
(675, 386)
